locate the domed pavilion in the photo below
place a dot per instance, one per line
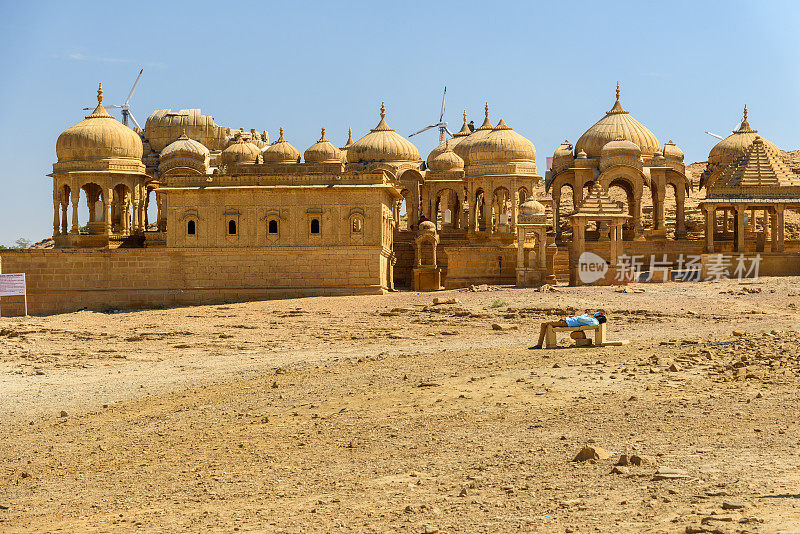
(103, 158)
(620, 152)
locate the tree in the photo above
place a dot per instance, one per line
(22, 243)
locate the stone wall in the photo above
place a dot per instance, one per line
(66, 280)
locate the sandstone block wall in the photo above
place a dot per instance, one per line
(66, 280)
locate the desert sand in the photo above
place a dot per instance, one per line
(388, 413)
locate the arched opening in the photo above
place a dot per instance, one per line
(231, 227)
(272, 226)
(522, 195)
(151, 209)
(191, 228)
(403, 223)
(566, 207)
(621, 191)
(64, 200)
(447, 210)
(93, 195)
(501, 209)
(479, 217)
(314, 226)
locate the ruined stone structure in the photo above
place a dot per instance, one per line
(239, 218)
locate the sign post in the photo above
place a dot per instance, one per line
(13, 284)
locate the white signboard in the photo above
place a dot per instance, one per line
(13, 284)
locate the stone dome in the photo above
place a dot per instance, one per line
(456, 139)
(98, 136)
(620, 148)
(184, 153)
(240, 152)
(427, 227)
(735, 145)
(281, 151)
(562, 157)
(323, 151)
(463, 147)
(500, 145)
(671, 151)
(446, 160)
(617, 123)
(184, 147)
(382, 144)
(531, 207)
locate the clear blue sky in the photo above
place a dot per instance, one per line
(547, 68)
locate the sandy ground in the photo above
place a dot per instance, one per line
(386, 414)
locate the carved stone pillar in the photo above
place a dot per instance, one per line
(76, 195)
(107, 199)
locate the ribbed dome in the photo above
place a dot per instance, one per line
(98, 136)
(281, 151)
(323, 151)
(382, 144)
(620, 148)
(184, 147)
(735, 145)
(427, 227)
(671, 151)
(617, 123)
(446, 160)
(184, 153)
(458, 137)
(500, 145)
(240, 152)
(463, 147)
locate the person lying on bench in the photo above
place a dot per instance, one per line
(574, 321)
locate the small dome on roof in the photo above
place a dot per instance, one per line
(427, 227)
(184, 147)
(382, 144)
(323, 151)
(281, 151)
(532, 212)
(457, 138)
(446, 160)
(98, 136)
(671, 151)
(620, 147)
(463, 147)
(500, 145)
(240, 152)
(736, 144)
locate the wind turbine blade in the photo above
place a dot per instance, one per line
(448, 132)
(441, 115)
(134, 119)
(715, 135)
(130, 95)
(423, 130)
(113, 107)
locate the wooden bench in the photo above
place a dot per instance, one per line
(578, 333)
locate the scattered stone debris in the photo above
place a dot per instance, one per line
(504, 326)
(441, 300)
(592, 453)
(668, 473)
(63, 414)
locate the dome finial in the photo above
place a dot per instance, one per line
(617, 90)
(280, 137)
(322, 137)
(745, 112)
(486, 110)
(349, 136)
(100, 93)
(383, 111)
(465, 116)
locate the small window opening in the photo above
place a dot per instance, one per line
(314, 226)
(190, 228)
(272, 227)
(231, 227)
